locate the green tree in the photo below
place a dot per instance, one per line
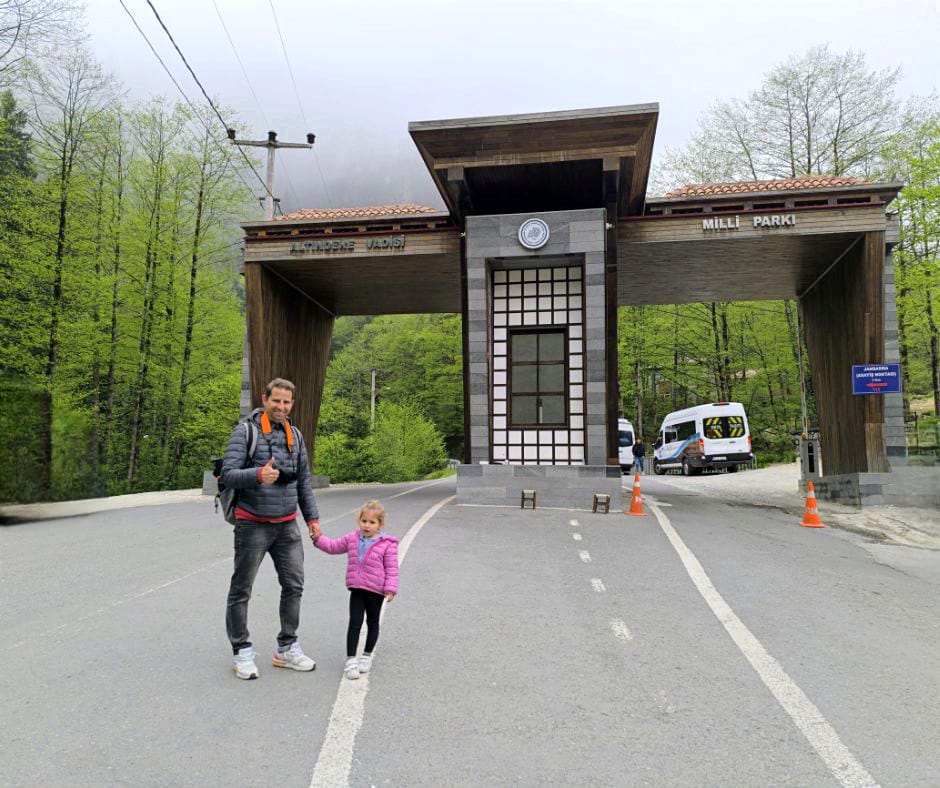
(405, 444)
(820, 112)
(913, 157)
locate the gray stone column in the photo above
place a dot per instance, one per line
(574, 236)
(482, 241)
(595, 344)
(895, 440)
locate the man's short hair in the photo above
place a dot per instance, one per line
(279, 383)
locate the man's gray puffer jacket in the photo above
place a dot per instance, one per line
(269, 500)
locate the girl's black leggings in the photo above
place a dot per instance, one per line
(368, 603)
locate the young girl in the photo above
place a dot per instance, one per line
(371, 577)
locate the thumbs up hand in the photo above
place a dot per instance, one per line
(269, 473)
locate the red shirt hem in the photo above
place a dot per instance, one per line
(241, 514)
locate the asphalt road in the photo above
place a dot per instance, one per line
(522, 650)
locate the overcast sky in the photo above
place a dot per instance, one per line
(365, 69)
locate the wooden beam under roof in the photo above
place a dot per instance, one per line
(624, 133)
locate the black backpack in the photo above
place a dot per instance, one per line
(226, 496)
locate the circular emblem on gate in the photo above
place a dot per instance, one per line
(533, 234)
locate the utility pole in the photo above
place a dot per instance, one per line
(271, 144)
(372, 402)
(799, 348)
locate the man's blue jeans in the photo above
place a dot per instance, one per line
(639, 463)
(252, 541)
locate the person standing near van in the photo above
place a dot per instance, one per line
(639, 452)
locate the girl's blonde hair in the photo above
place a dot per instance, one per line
(373, 506)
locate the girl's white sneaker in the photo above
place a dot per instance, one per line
(352, 668)
(365, 663)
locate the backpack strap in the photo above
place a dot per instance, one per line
(251, 435)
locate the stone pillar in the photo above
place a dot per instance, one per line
(576, 238)
(895, 440)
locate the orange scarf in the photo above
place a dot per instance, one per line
(266, 429)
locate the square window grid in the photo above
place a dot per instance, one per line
(537, 298)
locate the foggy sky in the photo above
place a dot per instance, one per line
(365, 69)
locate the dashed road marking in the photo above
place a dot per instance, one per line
(819, 733)
(573, 523)
(621, 630)
(585, 556)
(576, 537)
(598, 585)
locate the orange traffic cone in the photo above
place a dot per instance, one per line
(636, 504)
(811, 515)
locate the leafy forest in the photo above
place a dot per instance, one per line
(122, 310)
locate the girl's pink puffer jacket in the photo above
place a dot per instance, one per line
(378, 570)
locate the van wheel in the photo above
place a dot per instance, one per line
(657, 468)
(686, 470)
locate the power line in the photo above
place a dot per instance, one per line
(186, 63)
(300, 104)
(204, 93)
(251, 90)
(187, 99)
(240, 64)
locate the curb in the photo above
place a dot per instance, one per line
(18, 514)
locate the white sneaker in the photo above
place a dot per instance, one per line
(244, 663)
(294, 658)
(352, 668)
(365, 663)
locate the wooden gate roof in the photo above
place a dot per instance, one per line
(545, 161)
(667, 252)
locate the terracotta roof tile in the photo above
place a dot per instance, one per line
(779, 185)
(372, 212)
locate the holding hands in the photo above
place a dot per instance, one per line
(314, 527)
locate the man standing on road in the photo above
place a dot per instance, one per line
(639, 452)
(270, 485)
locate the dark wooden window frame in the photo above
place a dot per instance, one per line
(516, 331)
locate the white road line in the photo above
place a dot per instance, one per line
(131, 597)
(621, 630)
(343, 515)
(335, 759)
(573, 523)
(598, 585)
(585, 556)
(651, 498)
(576, 537)
(817, 730)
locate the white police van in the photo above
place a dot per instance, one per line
(625, 437)
(706, 436)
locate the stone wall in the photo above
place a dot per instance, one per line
(904, 486)
(556, 486)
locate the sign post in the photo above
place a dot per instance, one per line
(876, 378)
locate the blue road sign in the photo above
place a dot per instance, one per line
(876, 378)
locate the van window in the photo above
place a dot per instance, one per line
(626, 438)
(717, 427)
(685, 430)
(669, 434)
